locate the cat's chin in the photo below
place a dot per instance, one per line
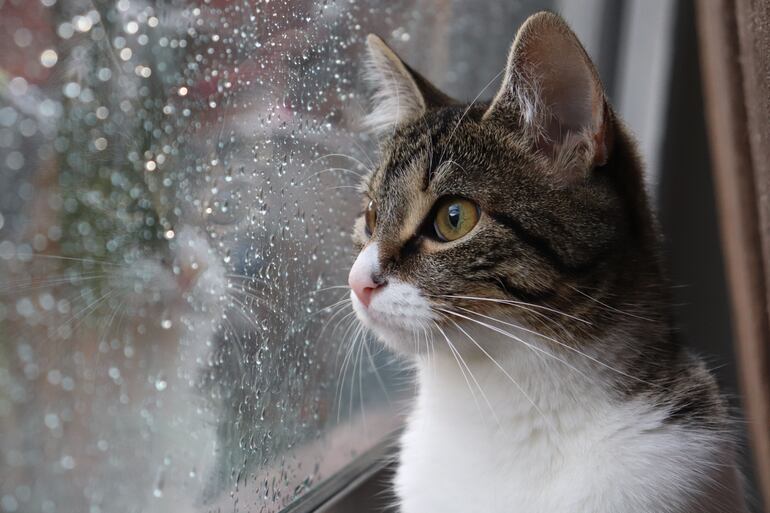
(399, 316)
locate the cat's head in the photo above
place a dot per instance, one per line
(515, 209)
(183, 278)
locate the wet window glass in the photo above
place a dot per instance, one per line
(177, 185)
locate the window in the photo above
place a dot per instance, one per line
(177, 192)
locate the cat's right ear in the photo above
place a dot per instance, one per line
(399, 93)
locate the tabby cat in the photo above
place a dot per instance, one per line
(509, 250)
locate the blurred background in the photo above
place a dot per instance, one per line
(177, 183)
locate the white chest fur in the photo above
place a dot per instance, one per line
(579, 451)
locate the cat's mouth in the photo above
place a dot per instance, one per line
(398, 314)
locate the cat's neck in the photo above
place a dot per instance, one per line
(559, 439)
(517, 381)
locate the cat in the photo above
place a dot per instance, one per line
(509, 251)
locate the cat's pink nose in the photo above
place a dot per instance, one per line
(364, 276)
(364, 288)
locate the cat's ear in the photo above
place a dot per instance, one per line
(400, 93)
(552, 89)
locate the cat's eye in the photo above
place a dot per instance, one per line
(454, 218)
(370, 217)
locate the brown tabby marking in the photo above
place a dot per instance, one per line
(565, 228)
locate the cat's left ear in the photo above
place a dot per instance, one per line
(552, 90)
(400, 93)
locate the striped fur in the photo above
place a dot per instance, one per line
(552, 315)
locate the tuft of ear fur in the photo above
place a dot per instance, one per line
(400, 93)
(552, 90)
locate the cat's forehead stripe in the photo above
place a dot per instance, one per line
(422, 141)
(445, 121)
(413, 203)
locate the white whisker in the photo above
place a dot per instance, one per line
(565, 346)
(83, 260)
(514, 337)
(332, 287)
(330, 169)
(345, 363)
(609, 307)
(453, 350)
(375, 369)
(340, 308)
(507, 375)
(49, 283)
(364, 166)
(516, 303)
(467, 109)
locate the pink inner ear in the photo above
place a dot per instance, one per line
(568, 88)
(571, 100)
(552, 89)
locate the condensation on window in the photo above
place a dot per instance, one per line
(177, 185)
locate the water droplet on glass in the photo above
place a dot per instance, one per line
(160, 482)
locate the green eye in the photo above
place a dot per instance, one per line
(455, 217)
